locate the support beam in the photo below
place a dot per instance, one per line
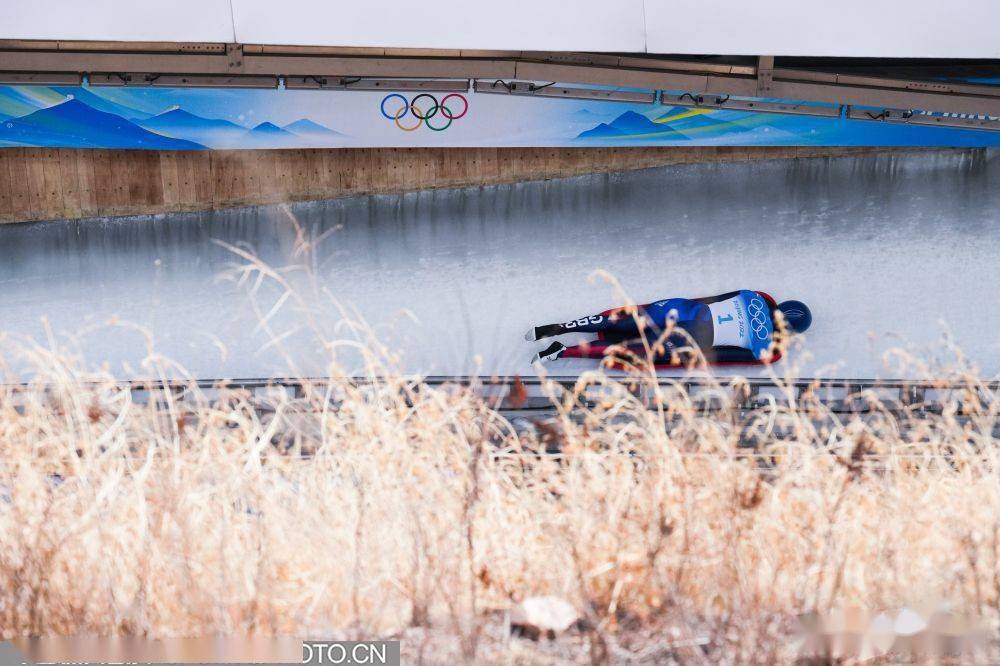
(696, 77)
(235, 54)
(636, 78)
(940, 86)
(40, 79)
(337, 66)
(896, 98)
(765, 73)
(89, 61)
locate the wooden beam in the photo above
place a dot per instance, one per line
(671, 74)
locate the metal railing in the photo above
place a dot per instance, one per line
(533, 394)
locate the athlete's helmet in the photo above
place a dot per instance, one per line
(797, 315)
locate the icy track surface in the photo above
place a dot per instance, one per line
(886, 249)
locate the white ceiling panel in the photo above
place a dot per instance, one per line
(117, 20)
(859, 28)
(577, 25)
(847, 28)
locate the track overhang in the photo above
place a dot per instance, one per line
(950, 92)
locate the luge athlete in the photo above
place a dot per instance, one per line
(737, 327)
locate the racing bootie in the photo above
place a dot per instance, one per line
(550, 353)
(547, 331)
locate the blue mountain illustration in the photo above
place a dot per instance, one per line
(626, 124)
(687, 120)
(634, 123)
(178, 117)
(74, 124)
(673, 111)
(603, 130)
(181, 124)
(269, 135)
(306, 127)
(268, 129)
(96, 101)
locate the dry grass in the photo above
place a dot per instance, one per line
(402, 509)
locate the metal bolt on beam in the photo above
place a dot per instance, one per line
(369, 83)
(747, 104)
(534, 89)
(912, 117)
(181, 80)
(765, 74)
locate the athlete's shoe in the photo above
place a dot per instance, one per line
(550, 353)
(547, 331)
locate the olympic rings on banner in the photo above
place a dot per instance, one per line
(447, 113)
(450, 113)
(430, 114)
(427, 121)
(402, 111)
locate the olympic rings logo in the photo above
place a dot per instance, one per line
(758, 320)
(423, 111)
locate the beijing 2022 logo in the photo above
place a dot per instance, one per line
(423, 109)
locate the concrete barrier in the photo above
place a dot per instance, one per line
(45, 184)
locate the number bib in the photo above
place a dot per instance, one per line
(742, 321)
(729, 323)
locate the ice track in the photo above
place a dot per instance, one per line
(887, 249)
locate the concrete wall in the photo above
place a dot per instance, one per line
(43, 184)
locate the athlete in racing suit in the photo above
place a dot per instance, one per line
(736, 327)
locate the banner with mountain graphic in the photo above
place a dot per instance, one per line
(225, 119)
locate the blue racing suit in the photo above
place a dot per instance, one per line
(736, 327)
